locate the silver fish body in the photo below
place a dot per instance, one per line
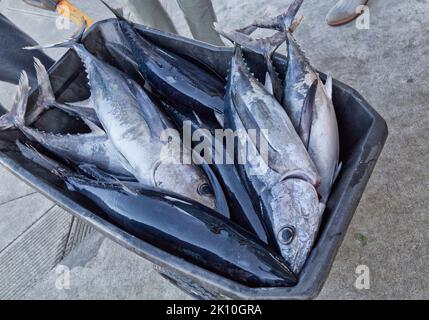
(287, 186)
(316, 121)
(135, 126)
(324, 141)
(92, 148)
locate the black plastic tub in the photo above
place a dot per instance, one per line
(363, 133)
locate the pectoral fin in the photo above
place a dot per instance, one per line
(329, 86)
(307, 115)
(220, 201)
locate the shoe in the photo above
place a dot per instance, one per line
(344, 12)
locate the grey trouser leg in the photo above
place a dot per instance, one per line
(12, 58)
(200, 16)
(152, 14)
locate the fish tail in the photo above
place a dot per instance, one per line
(114, 11)
(19, 108)
(286, 22)
(307, 115)
(34, 155)
(46, 97)
(69, 43)
(15, 118)
(46, 93)
(31, 153)
(264, 46)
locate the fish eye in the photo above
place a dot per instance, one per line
(286, 235)
(204, 189)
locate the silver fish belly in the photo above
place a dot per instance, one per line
(324, 142)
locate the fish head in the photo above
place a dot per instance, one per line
(296, 215)
(186, 180)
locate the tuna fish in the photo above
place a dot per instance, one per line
(187, 86)
(245, 211)
(93, 148)
(287, 187)
(136, 126)
(320, 131)
(181, 227)
(317, 126)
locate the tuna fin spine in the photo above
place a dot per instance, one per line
(69, 43)
(329, 86)
(114, 11)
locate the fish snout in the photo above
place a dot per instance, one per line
(296, 219)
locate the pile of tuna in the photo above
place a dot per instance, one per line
(254, 227)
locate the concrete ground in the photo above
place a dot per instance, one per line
(389, 232)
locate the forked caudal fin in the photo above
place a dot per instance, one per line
(16, 116)
(286, 22)
(31, 153)
(264, 46)
(69, 43)
(46, 97)
(46, 93)
(114, 11)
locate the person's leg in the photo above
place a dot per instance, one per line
(344, 12)
(12, 58)
(200, 16)
(150, 13)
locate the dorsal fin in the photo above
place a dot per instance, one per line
(117, 14)
(95, 129)
(329, 86)
(75, 39)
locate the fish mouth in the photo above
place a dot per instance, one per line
(301, 175)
